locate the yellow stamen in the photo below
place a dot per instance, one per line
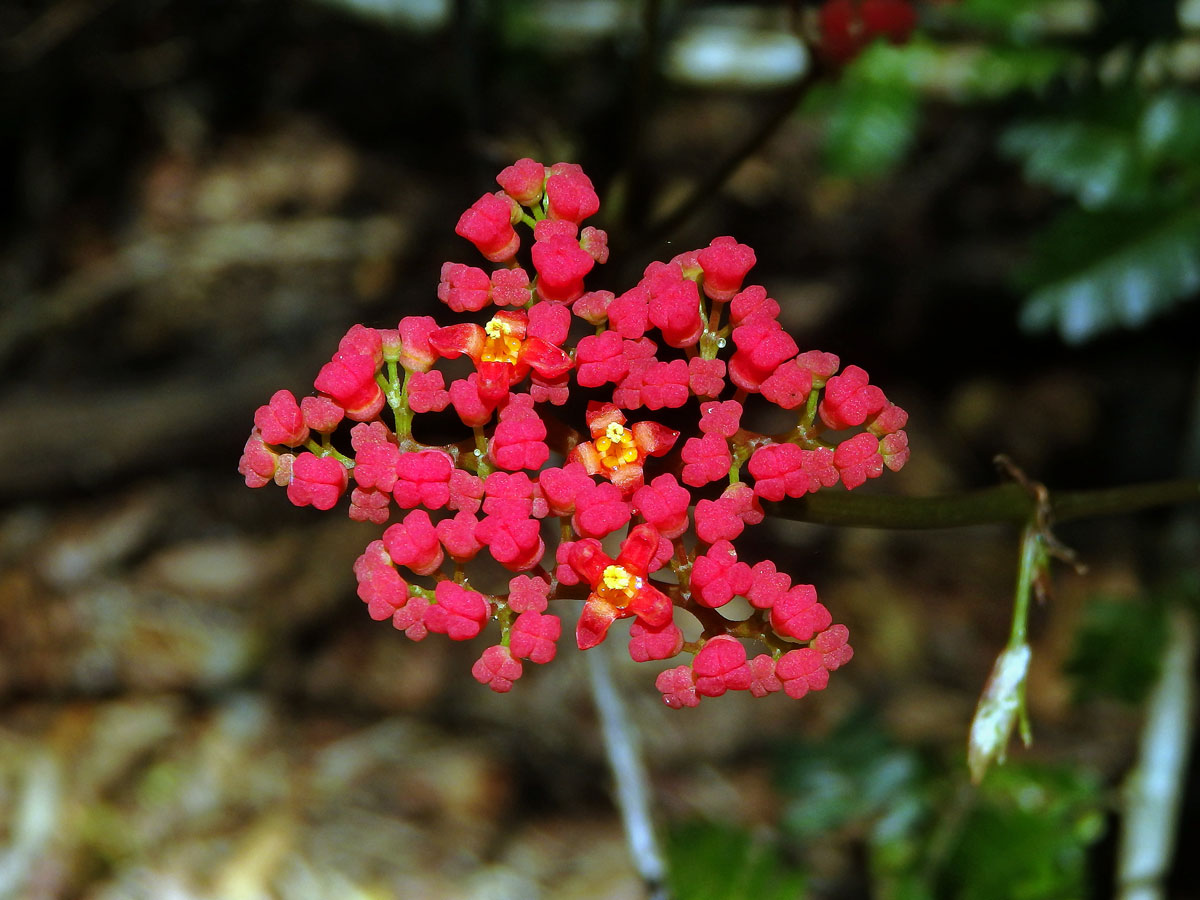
(617, 448)
(501, 344)
(616, 578)
(618, 586)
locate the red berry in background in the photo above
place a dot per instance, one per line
(841, 30)
(848, 26)
(893, 19)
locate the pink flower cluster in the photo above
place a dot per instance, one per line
(549, 499)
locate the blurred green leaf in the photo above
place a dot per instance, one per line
(1024, 833)
(871, 114)
(720, 862)
(1026, 837)
(1096, 162)
(1118, 648)
(871, 127)
(1093, 272)
(855, 775)
(1016, 18)
(1169, 129)
(995, 72)
(1114, 147)
(957, 72)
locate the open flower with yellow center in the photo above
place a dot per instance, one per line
(617, 452)
(503, 351)
(620, 587)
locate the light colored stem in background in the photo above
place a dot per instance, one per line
(629, 774)
(1154, 788)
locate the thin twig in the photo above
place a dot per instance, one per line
(629, 775)
(755, 139)
(1003, 504)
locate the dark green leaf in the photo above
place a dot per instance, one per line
(858, 774)
(1098, 163)
(718, 862)
(1117, 649)
(1026, 837)
(1097, 271)
(1169, 129)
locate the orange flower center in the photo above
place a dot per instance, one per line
(500, 344)
(618, 585)
(617, 447)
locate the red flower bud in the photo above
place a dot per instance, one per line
(459, 613)
(488, 224)
(497, 669)
(720, 666)
(725, 263)
(281, 421)
(523, 181)
(316, 481)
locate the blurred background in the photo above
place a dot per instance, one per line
(998, 220)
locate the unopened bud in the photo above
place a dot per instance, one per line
(998, 709)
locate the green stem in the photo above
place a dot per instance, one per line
(325, 448)
(483, 466)
(1003, 504)
(1033, 560)
(398, 401)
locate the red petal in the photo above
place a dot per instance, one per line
(653, 439)
(638, 550)
(544, 358)
(589, 561)
(628, 477)
(455, 340)
(652, 606)
(494, 380)
(515, 320)
(600, 415)
(594, 622)
(587, 456)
